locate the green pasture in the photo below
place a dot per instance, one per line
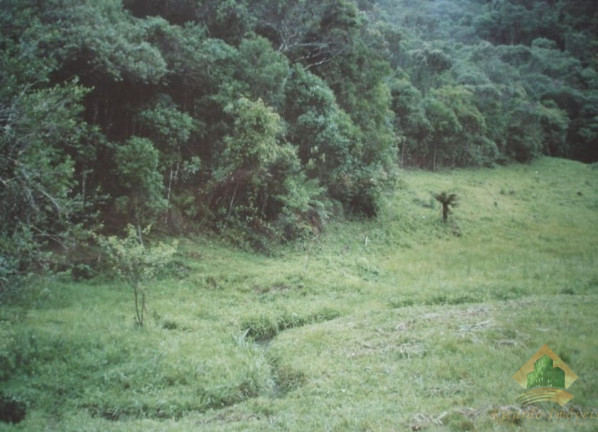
(399, 323)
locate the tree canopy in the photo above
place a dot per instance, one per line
(266, 117)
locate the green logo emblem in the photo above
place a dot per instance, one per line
(545, 376)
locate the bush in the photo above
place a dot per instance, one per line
(137, 170)
(360, 189)
(259, 186)
(136, 263)
(11, 409)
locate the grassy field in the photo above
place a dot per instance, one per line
(402, 323)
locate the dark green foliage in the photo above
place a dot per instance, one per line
(98, 41)
(262, 328)
(512, 57)
(40, 196)
(428, 64)
(263, 115)
(261, 71)
(310, 32)
(259, 180)
(447, 201)
(410, 122)
(331, 146)
(11, 410)
(326, 138)
(164, 122)
(141, 184)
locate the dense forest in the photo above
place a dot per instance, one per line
(262, 119)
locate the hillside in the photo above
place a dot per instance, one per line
(263, 120)
(396, 323)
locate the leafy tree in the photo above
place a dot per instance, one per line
(410, 121)
(228, 20)
(164, 123)
(38, 197)
(428, 65)
(190, 59)
(470, 143)
(445, 130)
(332, 145)
(261, 71)
(171, 129)
(324, 134)
(136, 263)
(140, 181)
(174, 11)
(555, 125)
(307, 31)
(358, 77)
(101, 41)
(524, 132)
(258, 178)
(25, 59)
(109, 52)
(583, 130)
(386, 38)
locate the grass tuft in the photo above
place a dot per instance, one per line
(262, 328)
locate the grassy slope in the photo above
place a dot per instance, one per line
(402, 323)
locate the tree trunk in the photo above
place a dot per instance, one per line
(138, 311)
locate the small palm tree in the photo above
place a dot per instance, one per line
(447, 201)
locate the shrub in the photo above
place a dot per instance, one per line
(136, 263)
(137, 170)
(259, 185)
